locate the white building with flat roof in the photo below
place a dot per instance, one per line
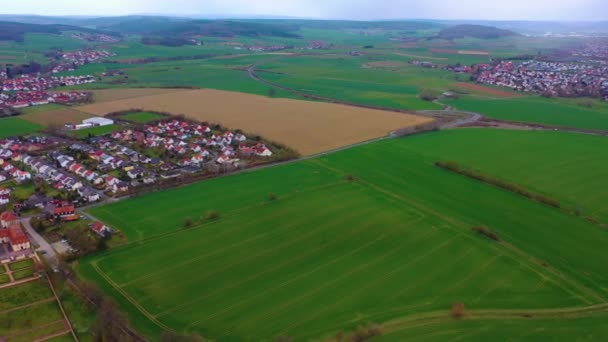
(97, 121)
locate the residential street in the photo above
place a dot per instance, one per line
(47, 251)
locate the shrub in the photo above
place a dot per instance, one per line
(272, 196)
(427, 95)
(366, 333)
(458, 310)
(188, 222)
(213, 215)
(485, 231)
(349, 177)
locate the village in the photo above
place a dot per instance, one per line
(566, 79)
(27, 90)
(55, 175)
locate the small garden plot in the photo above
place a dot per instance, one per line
(23, 264)
(23, 273)
(4, 279)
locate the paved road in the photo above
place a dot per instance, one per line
(48, 252)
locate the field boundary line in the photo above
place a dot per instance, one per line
(36, 328)
(374, 283)
(342, 277)
(309, 272)
(436, 317)
(25, 306)
(266, 251)
(308, 234)
(280, 230)
(526, 259)
(139, 307)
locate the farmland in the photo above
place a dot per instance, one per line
(29, 312)
(95, 131)
(16, 126)
(400, 248)
(291, 122)
(58, 117)
(142, 117)
(556, 112)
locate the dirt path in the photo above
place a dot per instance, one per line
(19, 282)
(66, 319)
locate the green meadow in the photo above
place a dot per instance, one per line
(142, 117)
(375, 233)
(14, 126)
(556, 112)
(95, 131)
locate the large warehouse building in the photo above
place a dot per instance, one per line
(97, 121)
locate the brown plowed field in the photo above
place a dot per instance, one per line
(59, 116)
(309, 127)
(486, 90)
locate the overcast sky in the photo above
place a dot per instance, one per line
(325, 9)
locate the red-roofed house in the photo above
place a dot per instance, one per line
(99, 228)
(8, 218)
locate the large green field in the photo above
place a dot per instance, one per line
(556, 112)
(330, 254)
(13, 126)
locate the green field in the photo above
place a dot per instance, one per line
(577, 328)
(142, 117)
(95, 131)
(555, 112)
(29, 312)
(13, 126)
(331, 254)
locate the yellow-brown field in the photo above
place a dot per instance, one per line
(104, 95)
(309, 127)
(59, 116)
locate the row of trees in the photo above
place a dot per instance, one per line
(454, 167)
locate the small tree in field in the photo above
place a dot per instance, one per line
(458, 310)
(188, 222)
(272, 196)
(213, 215)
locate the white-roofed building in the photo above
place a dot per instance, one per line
(97, 121)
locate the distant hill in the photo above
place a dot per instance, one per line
(16, 31)
(163, 26)
(475, 31)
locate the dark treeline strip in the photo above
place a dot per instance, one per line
(454, 167)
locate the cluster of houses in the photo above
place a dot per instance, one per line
(109, 156)
(317, 45)
(12, 233)
(550, 78)
(5, 196)
(85, 57)
(593, 52)
(39, 82)
(69, 176)
(36, 98)
(199, 142)
(9, 171)
(268, 48)
(95, 37)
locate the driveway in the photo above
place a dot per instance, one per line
(48, 252)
